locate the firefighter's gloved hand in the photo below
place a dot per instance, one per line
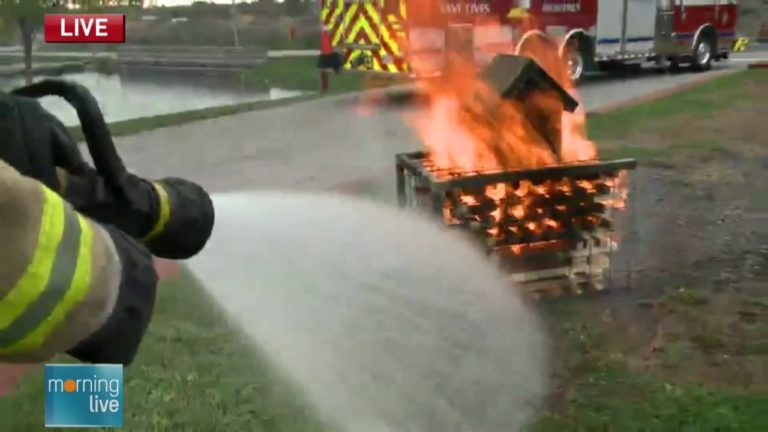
(173, 217)
(36, 142)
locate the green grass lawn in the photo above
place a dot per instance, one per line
(194, 374)
(614, 131)
(606, 394)
(689, 132)
(300, 73)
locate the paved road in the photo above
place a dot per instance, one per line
(319, 144)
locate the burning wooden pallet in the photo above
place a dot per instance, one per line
(509, 179)
(550, 228)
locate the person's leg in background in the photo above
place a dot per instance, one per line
(324, 80)
(338, 63)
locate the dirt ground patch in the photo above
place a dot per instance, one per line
(689, 299)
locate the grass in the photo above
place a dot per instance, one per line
(300, 73)
(704, 368)
(608, 395)
(625, 132)
(701, 100)
(195, 374)
(614, 399)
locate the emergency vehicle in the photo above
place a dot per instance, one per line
(404, 36)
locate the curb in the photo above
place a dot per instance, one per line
(758, 65)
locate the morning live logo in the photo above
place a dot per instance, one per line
(83, 395)
(84, 28)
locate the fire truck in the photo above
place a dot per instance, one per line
(413, 36)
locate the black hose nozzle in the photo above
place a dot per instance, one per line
(184, 222)
(172, 216)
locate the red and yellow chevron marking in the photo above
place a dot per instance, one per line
(394, 35)
(364, 25)
(331, 16)
(398, 39)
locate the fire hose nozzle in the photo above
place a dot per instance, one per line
(184, 222)
(173, 217)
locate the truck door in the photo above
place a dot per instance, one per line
(665, 17)
(640, 27)
(610, 14)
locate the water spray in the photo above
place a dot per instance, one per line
(385, 321)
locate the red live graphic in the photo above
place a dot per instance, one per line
(85, 28)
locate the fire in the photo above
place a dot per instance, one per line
(467, 127)
(525, 213)
(505, 159)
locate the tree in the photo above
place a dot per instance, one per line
(28, 14)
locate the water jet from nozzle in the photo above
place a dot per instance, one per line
(385, 321)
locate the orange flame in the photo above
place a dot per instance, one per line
(468, 127)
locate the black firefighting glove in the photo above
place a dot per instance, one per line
(38, 145)
(173, 217)
(119, 338)
(35, 142)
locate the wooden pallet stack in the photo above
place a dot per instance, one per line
(574, 263)
(583, 270)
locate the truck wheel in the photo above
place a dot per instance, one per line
(702, 55)
(574, 59)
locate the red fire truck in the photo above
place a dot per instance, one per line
(407, 36)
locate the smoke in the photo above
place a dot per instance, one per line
(385, 321)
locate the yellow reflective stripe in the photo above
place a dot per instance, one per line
(375, 28)
(383, 38)
(351, 28)
(35, 277)
(350, 23)
(337, 24)
(165, 213)
(371, 27)
(334, 19)
(517, 12)
(361, 25)
(78, 288)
